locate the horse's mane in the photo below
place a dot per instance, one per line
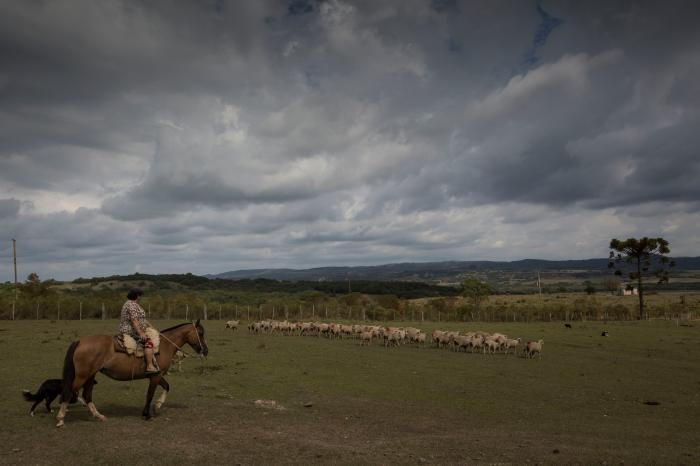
(176, 326)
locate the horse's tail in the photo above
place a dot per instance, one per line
(68, 373)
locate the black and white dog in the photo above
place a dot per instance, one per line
(48, 390)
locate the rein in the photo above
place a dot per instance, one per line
(179, 347)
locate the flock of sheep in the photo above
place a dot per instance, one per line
(394, 336)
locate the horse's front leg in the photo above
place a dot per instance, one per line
(161, 399)
(155, 380)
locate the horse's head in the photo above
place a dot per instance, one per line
(197, 340)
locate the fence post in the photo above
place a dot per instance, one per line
(80, 311)
(103, 311)
(187, 311)
(58, 317)
(219, 311)
(206, 314)
(13, 309)
(273, 312)
(301, 313)
(313, 311)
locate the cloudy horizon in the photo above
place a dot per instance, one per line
(211, 136)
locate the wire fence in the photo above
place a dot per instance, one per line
(76, 309)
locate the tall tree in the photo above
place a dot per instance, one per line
(476, 290)
(647, 257)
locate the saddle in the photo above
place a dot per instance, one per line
(125, 343)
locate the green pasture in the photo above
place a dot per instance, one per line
(632, 397)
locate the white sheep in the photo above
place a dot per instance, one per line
(491, 345)
(366, 338)
(461, 341)
(532, 347)
(477, 342)
(510, 343)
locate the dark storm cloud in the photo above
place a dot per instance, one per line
(303, 132)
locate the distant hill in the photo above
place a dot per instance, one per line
(434, 271)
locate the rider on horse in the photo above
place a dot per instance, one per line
(133, 322)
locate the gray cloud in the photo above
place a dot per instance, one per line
(209, 136)
(9, 207)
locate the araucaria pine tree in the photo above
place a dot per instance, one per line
(647, 257)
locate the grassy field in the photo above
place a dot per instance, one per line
(583, 402)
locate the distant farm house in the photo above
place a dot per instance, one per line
(627, 289)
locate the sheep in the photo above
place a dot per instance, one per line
(366, 338)
(500, 339)
(306, 327)
(346, 330)
(255, 327)
(532, 347)
(233, 324)
(411, 333)
(420, 338)
(461, 341)
(334, 330)
(510, 343)
(393, 338)
(177, 360)
(441, 338)
(323, 329)
(491, 345)
(477, 341)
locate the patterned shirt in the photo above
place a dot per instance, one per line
(132, 311)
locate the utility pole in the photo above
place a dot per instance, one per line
(539, 283)
(14, 257)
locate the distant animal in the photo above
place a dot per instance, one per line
(604, 334)
(177, 360)
(48, 390)
(233, 324)
(567, 325)
(532, 347)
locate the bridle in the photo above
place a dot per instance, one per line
(181, 349)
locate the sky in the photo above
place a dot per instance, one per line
(174, 137)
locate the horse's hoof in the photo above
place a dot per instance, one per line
(60, 424)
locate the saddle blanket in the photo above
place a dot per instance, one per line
(129, 345)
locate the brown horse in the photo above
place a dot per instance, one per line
(90, 355)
